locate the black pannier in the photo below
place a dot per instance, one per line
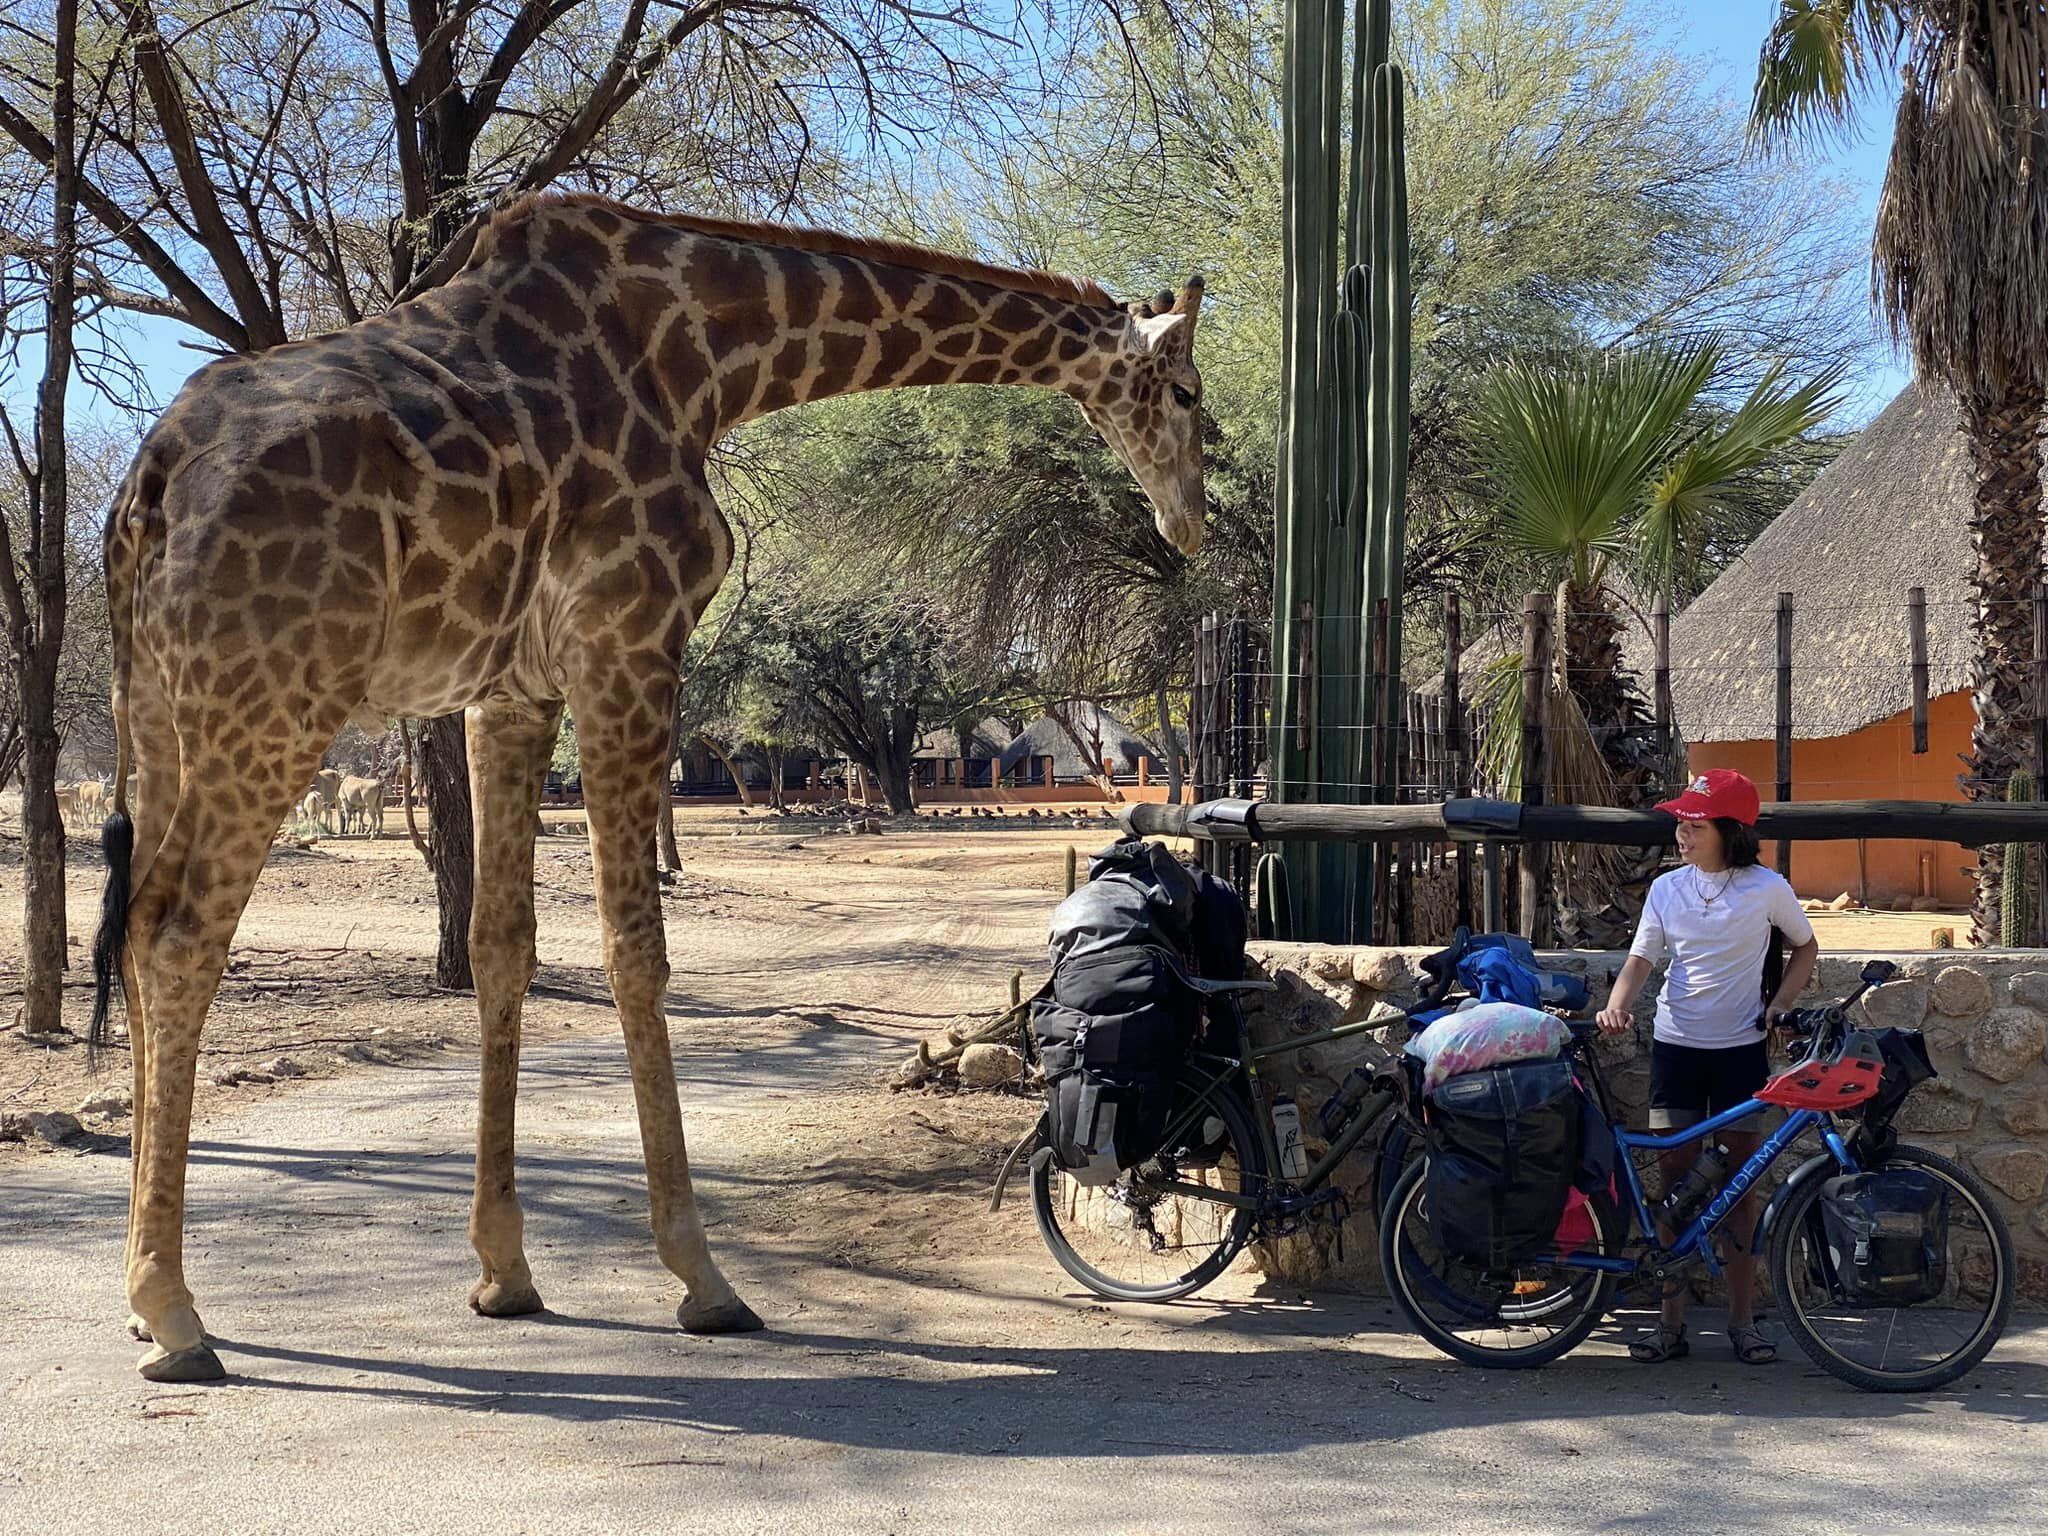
(1906, 1067)
(1115, 1023)
(1504, 1150)
(1109, 1082)
(1887, 1235)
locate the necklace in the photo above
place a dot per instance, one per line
(1699, 888)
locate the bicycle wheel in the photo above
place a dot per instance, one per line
(1510, 1321)
(1899, 1349)
(1137, 1239)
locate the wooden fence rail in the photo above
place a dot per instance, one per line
(1505, 821)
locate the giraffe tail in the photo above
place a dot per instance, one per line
(127, 531)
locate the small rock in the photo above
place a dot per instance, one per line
(2006, 1044)
(1902, 1005)
(2030, 990)
(55, 1128)
(1940, 1107)
(1926, 903)
(2021, 1172)
(1328, 965)
(109, 1104)
(990, 1064)
(1381, 970)
(1961, 992)
(250, 1076)
(2024, 1112)
(227, 1079)
(284, 1066)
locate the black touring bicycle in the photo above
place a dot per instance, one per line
(1152, 1171)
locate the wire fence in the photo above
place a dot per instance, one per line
(1776, 687)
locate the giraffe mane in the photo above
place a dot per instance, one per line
(895, 253)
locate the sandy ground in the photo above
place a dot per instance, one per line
(332, 964)
(926, 1368)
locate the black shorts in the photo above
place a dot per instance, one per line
(1689, 1083)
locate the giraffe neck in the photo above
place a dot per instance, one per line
(735, 327)
(838, 325)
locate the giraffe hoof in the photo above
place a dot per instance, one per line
(198, 1363)
(733, 1316)
(490, 1298)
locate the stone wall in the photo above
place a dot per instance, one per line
(1985, 1015)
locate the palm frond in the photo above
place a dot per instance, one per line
(1818, 59)
(1578, 773)
(1572, 443)
(1685, 501)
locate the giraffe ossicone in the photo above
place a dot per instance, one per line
(492, 498)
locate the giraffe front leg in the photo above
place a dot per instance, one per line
(624, 775)
(509, 747)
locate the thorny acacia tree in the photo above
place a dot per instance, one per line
(1573, 185)
(265, 172)
(1959, 265)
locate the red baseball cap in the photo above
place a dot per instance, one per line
(1716, 793)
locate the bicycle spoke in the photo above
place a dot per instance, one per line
(1140, 1235)
(1891, 1347)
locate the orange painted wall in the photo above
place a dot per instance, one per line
(1875, 763)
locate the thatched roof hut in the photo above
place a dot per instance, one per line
(986, 740)
(1891, 513)
(1121, 745)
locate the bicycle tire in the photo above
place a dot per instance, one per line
(1403, 1278)
(1791, 1222)
(1249, 1153)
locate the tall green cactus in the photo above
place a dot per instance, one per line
(2018, 895)
(1340, 525)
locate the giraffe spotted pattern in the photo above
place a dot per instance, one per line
(492, 498)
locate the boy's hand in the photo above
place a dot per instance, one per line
(1616, 1020)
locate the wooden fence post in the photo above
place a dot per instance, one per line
(1456, 785)
(2040, 934)
(1536, 615)
(1916, 625)
(1378, 916)
(1660, 629)
(1785, 721)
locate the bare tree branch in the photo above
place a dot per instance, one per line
(258, 317)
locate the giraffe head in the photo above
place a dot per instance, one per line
(1148, 407)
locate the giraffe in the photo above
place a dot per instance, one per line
(492, 498)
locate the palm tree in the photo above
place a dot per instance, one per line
(1612, 465)
(1959, 266)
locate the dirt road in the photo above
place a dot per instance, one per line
(926, 1367)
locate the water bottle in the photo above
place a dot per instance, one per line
(1287, 1133)
(1701, 1180)
(1338, 1109)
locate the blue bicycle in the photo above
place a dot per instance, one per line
(1845, 1090)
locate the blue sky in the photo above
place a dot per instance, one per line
(1723, 34)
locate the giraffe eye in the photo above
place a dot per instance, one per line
(1183, 397)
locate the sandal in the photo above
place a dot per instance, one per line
(1751, 1347)
(1664, 1342)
